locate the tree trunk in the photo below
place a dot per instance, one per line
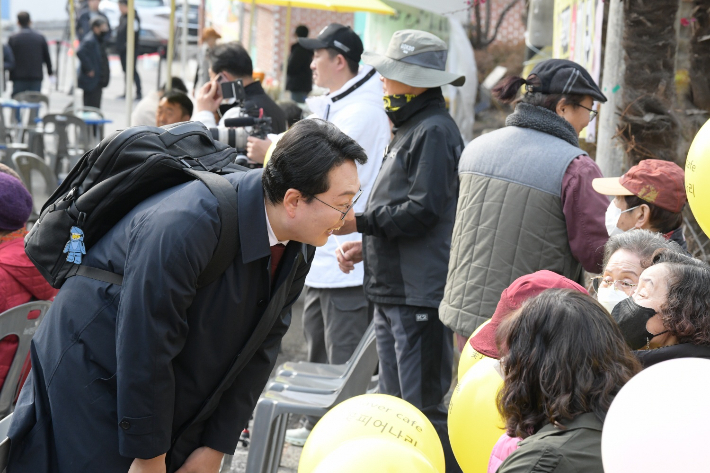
(700, 55)
(648, 125)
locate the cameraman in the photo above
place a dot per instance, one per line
(231, 62)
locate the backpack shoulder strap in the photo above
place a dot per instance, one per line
(228, 243)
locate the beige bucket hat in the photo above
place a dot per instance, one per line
(415, 58)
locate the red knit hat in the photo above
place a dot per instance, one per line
(512, 299)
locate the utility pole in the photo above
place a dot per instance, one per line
(610, 154)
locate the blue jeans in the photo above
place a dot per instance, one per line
(25, 85)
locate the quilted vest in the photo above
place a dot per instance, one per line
(509, 221)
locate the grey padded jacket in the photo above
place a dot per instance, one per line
(509, 221)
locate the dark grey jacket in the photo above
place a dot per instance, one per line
(410, 214)
(117, 370)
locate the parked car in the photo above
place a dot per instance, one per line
(155, 23)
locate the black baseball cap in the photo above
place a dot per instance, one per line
(560, 76)
(339, 37)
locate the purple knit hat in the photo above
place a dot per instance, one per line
(15, 203)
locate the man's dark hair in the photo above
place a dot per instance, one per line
(563, 356)
(232, 58)
(180, 98)
(302, 31)
(97, 22)
(686, 313)
(23, 18)
(352, 65)
(177, 84)
(304, 156)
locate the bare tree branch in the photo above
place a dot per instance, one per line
(479, 33)
(500, 20)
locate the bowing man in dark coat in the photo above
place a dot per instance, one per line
(118, 371)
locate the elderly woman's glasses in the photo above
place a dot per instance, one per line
(357, 196)
(592, 113)
(607, 282)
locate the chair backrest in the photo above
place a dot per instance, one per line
(4, 441)
(363, 366)
(61, 124)
(32, 97)
(38, 178)
(22, 321)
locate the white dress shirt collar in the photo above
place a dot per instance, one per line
(272, 236)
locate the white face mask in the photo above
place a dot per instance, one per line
(609, 297)
(611, 219)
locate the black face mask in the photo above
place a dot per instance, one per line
(632, 319)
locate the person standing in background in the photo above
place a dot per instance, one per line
(406, 227)
(32, 48)
(94, 72)
(209, 41)
(83, 23)
(299, 78)
(122, 41)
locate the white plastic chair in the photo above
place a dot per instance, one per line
(274, 406)
(22, 321)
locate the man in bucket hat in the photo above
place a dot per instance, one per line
(407, 226)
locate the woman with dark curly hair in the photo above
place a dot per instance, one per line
(669, 311)
(564, 361)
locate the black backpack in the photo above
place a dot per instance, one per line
(122, 171)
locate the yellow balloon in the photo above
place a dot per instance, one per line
(697, 177)
(469, 356)
(375, 455)
(376, 416)
(474, 423)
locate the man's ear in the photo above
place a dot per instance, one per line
(341, 62)
(292, 199)
(642, 221)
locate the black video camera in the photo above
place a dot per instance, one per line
(249, 122)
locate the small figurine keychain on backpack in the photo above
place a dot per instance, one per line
(75, 246)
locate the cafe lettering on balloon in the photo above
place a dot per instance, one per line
(377, 417)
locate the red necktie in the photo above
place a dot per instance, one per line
(277, 252)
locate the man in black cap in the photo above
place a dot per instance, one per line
(406, 227)
(336, 313)
(526, 202)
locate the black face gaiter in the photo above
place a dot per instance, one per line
(632, 319)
